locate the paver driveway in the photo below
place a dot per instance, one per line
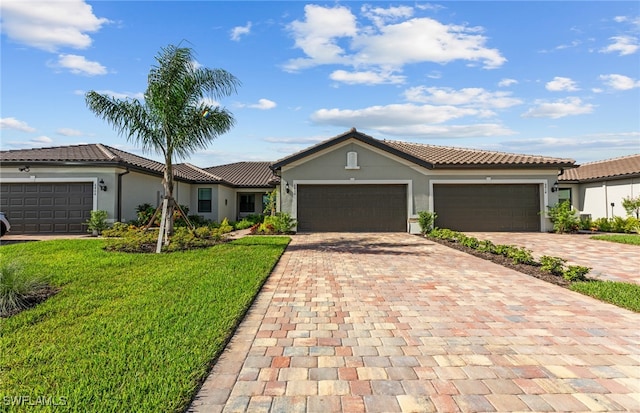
(393, 322)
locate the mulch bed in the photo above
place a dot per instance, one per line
(531, 270)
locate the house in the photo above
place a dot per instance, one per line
(53, 190)
(596, 189)
(351, 182)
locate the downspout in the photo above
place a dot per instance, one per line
(120, 175)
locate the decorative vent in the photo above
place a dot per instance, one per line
(352, 160)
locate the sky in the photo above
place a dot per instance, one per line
(547, 78)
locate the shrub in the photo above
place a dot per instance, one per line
(632, 206)
(281, 223)
(563, 217)
(426, 220)
(470, 242)
(225, 227)
(98, 221)
(521, 255)
(144, 213)
(576, 273)
(118, 229)
(602, 224)
(243, 224)
(487, 246)
(553, 265)
(17, 288)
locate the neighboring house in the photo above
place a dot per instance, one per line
(352, 182)
(597, 188)
(54, 189)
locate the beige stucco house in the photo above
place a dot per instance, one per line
(350, 182)
(597, 188)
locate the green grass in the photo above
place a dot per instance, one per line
(625, 295)
(127, 331)
(631, 239)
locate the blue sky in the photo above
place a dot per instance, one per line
(550, 78)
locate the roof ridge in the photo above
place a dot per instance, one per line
(610, 159)
(204, 171)
(106, 151)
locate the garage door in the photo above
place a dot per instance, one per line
(352, 208)
(47, 207)
(487, 207)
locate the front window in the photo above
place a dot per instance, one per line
(564, 194)
(248, 203)
(204, 199)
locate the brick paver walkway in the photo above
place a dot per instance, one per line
(607, 260)
(393, 322)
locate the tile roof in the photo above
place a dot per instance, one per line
(432, 156)
(246, 174)
(616, 168)
(243, 174)
(446, 156)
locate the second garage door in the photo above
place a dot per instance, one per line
(487, 207)
(352, 208)
(47, 207)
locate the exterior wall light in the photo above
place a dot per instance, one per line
(24, 168)
(286, 187)
(102, 185)
(554, 188)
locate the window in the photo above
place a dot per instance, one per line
(204, 199)
(248, 203)
(352, 160)
(564, 194)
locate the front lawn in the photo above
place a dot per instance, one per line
(620, 238)
(126, 332)
(625, 295)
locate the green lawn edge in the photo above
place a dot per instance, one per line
(629, 239)
(126, 331)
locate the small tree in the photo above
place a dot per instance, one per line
(174, 119)
(632, 206)
(426, 220)
(563, 217)
(270, 205)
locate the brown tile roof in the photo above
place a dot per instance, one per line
(243, 174)
(432, 156)
(246, 174)
(451, 157)
(616, 168)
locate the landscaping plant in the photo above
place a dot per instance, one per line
(426, 220)
(98, 222)
(18, 288)
(563, 217)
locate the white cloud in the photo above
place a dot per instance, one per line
(263, 104)
(472, 97)
(13, 123)
(380, 16)
(559, 84)
(50, 25)
(395, 114)
(80, 65)
(624, 45)
(620, 82)
(447, 131)
(507, 82)
(41, 140)
(333, 36)
(69, 132)
(239, 31)
(559, 109)
(366, 77)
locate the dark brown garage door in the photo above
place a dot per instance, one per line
(47, 207)
(487, 207)
(352, 208)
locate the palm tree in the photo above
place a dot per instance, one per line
(174, 120)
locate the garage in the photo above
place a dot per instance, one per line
(352, 208)
(58, 207)
(502, 207)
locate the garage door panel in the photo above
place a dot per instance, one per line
(352, 208)
(47, 207)
(509, 207)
